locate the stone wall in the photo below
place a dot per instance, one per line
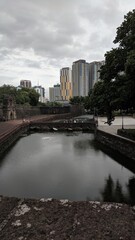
(26, 111)
(117, 143)
(8, 139)
(63, 126)
(55, 110)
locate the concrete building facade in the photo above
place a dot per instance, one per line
(80, 78)
(57, 96)
(65, 84)
(94, 74)
(54, 93)
(25, 83)
(51, 94)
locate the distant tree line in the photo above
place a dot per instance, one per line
(27, 96)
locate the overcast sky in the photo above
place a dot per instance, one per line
(39, 37)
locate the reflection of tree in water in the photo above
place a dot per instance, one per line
(113, 191)
(82, 144)
(131, 190)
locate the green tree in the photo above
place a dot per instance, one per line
(77, 100)
(21, 96)
(117, 87)
(34, 97)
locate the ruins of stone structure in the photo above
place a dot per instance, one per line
(9, 110)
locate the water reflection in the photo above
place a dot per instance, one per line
(60, 166)
(82, 144)
(113, 191)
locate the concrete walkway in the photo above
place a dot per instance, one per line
(8, 126)
(128, 122)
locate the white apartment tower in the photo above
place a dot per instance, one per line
(80, 78)
(41, 91)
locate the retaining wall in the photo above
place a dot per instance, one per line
(7, 139)
(120, 144)
(43, 126)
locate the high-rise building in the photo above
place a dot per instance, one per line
(51, 94)
(25, 83)
(80, 78)
(57, 96)
(54, 93)
(66, 83)
(94, 72)
(41, 91)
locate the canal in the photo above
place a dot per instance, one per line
(63, 166)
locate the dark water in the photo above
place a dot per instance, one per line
(60, 166)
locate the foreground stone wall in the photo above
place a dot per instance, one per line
(120, 144)
(29, 219)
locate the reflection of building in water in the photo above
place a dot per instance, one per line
(9, 110)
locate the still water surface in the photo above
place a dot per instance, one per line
(60, 166)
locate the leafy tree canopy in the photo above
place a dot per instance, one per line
(22, 96)
(117, 87)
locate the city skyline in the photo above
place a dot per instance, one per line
(38, 38)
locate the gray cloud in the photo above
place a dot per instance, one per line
(53, 33)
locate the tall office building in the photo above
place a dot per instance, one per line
(25, 83)
(51, 94)
(57, 96)
(94, 72)
(65, 83)
(80, 78)
(54, 93)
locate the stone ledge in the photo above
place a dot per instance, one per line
(50, 219)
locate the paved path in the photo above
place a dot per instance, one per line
(128, 122)
(12, 124)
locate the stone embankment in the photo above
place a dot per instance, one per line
(29, 219)
(12, 130)
(117, 143)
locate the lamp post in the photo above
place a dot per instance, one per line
(122, 120)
